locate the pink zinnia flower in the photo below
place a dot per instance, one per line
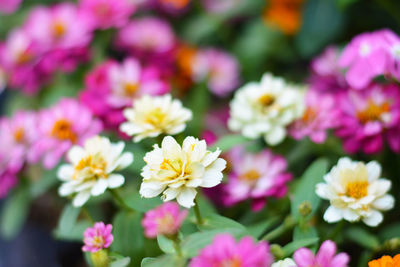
(8, 180)
(112, 86)
(219, 68)
(166, 219)
(326, 74)
(366, 57)
(61, 126)
(17, 134)
(97, 237)
(325, 257)
(105, 14)
(320, 115)
(149, 39)
(369, 117)
(256, 177)
(224, 251)
(9, 6)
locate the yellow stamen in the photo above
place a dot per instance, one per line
(130, 89)
(357, 189)
(19, 135)
(309, 115)
(251, 176)
(266, 100)
(155, 117)
(62, 130)
(373, 112)
(95, 164)
(24, 57)
(58, 29)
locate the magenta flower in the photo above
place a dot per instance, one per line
(369, 117)
(112, 86)
(325, 257)
(9, 6)
(224, 251)
(97, 237)
(166, 219)
(219, 68)
(103, 14)
(61, 126)
(366, 57)
(255, 177)
(17, 134)
(220, 6)
(150, 39)
(326, 75)
(320, 115)
(8, 180)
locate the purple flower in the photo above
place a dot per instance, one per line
(321, 115)
(166, 219)
(255, 177)
(369, 117)
(224, 251)
(97, 237)
(61, 126)
(325, 257)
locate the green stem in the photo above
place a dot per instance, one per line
(288, 224)
(87, 214)
(177, 247)
(333, 234)
(196, 209)
(120, 201)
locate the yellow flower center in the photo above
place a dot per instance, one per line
(266, 100)
(58, 29)
(165, 224)
(98, 241)
(19, 135)
(130, 89)
(355, 181)
(250, 176)
(235, 262)
(373, 112)
(176, 3)
(24, 57)
(357, 189)
(62, 130)
(155, 117)
(309, 115)
(94, 165)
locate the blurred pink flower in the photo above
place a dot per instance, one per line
(61, 126)
(325, 257)
(369, 117)
(326, 74)
(112, 86)
(219, 68)
(255, 177)
(224, 251)
(320, 115)
(366, 57)
(166, 219)
(220, 6)
(8, 180)
(97, 237)
(150, 39)
(17, 134)
(105, 14)
(9, 6)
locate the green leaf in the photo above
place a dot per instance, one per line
(198, 101)
(258, 229)
(215, 221)
(362, 237)
(76, 233)
(305, 190)
(390, 231)
(200, 27)
(14, 212)
(136, 202)
(165, 244)
(229, 141)
(164, 261)
(293, 246)
(67, 219)
(48, 179)
(304, 233)
(121, 262)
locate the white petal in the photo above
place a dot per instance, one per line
(115, 180)
(210, 157)
(374, 219)
(374, 170)
(75, 154)
(211, 178)
(275, 136)
(170, 194)
(194, 182)
(99, 187)
(350, 215)
(81, 198)
(125, 160)
(218, 165)
(151, 189)
(333, 214)
(384, 203)
(65, 172)
(186, 197)
(379, 187)
(66, 189)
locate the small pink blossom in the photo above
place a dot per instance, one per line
(325, 257)
(105, 14)
(219, 68)
(9, 6)
(61, 126)
(224, 251)
(320, 115)
(166, 219)
(97, 237)
(255, 177)
(112, 86)
(8, 180)
(369, 117)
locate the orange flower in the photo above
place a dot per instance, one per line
(284, 15)
(386, 261)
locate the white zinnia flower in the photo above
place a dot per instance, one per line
(355, 192)
(154, 115)
(91, 169)
(266, 108)
(177, 171)
(288, 262)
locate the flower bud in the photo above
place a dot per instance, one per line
(305, 208)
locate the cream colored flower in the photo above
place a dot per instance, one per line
(266, 108)
(154, 115)
(92, 169)
(355, 192)
(288, 262)
(176, 171)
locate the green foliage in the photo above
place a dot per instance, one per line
(293, 246)
(229, 141)
(362, 237)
